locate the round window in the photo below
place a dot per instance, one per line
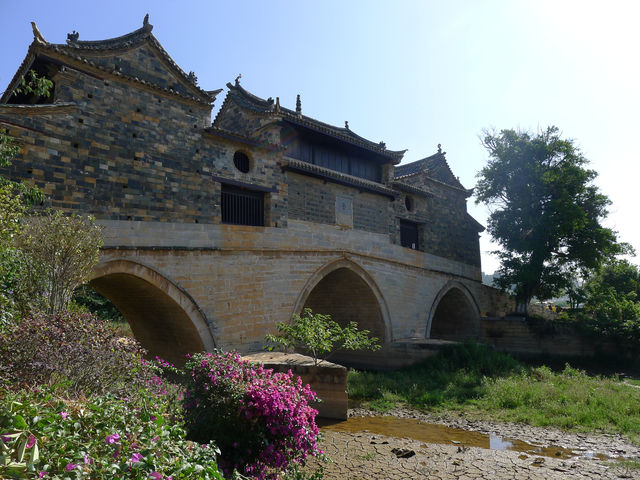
(408, 202)
(241, 161)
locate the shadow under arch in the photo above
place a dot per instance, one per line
(454, 314)
(163, 317)
(344, 290)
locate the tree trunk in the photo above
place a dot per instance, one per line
(522, 305)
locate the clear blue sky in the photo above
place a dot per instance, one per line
(410, 73)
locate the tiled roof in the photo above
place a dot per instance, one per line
(74, 49)
(404, 187)
(339, 177)
(435, 167)
(256, 104)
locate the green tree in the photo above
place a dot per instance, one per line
(320, 336)
(59, 254)
(546, 213)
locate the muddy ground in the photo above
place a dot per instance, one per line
(365, 454)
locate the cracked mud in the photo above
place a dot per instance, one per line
(356, 452)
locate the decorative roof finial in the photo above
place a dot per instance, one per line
(439, 148)
(72, 37)
(383, 145)
(346, 124)
(36, 33)
(192, 78)
(298, 105)
(238, 79)
(145, 23)
(277, 104)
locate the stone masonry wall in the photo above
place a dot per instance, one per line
(448, 232)
(313, 200)
(132, 154)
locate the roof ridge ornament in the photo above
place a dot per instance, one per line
(36, 33)
(237, 81)
(439, 148)
(145, 23)
(298, 105)
(346, 124)
(277, 104)
(72, 37)
(192, 77)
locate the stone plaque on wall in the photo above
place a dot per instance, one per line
(344, 210)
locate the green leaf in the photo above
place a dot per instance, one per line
(19, 422)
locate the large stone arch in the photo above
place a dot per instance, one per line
(164, 318)
(347, 292)
(454, 314)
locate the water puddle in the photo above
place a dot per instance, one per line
(441, 434)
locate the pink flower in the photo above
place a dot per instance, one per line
(136, 457)
(155, 439)
(70, 466)
(155, 476)
(87, 460)
(31, 442)
(43, 474)
(111, 439)
(63, 414)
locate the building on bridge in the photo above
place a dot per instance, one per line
(215, 232)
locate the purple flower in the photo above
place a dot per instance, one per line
(111, 439)
(63, 414)
(70, 466)
(136, 457)
(43, 474)
(155, 476)
(87, 460)
(31, 442)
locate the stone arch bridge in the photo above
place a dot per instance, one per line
(190, 287)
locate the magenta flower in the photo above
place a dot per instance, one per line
(87, 460)
(111, 439)
(43, 474)
(63, 414)
(70, 466)
(136, 457)
(155, 476)
(31, 442)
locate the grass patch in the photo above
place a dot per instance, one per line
(472, 379)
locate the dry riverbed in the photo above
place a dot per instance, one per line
(407, 444)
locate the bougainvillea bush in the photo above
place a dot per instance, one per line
(262, 421)
(78, 350)
(44, 436)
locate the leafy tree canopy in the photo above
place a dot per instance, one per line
(320, 336)
(546, 213)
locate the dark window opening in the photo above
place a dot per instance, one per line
(334, 157)
(241, 161)
(43, 69)
(409, 235)
(241, 206)
(408, 203)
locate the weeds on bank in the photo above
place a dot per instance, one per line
(475, 380)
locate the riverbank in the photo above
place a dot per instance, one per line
(358, 452)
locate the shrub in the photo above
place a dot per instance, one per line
(78, 350)
(261, 420)
(320, 336)
(42, 436)
(60, 252)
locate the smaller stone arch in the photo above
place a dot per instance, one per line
(454, 314)
(164, 318)
(348, 270)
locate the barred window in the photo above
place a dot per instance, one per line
(241, 206)
(409, 234)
